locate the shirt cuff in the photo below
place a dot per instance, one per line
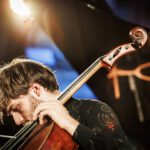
(82, 135)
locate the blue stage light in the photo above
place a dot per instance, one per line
(40, 54)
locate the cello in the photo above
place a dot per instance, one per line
(50, 136)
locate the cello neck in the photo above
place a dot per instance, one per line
(77, 83)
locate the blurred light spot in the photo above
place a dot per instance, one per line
(19, 7)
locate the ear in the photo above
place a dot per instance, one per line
(35, 90)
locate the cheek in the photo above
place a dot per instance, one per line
(25, 108)
(33, 103)
(29, 105)
(25, 112)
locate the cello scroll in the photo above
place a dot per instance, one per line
(138, 36)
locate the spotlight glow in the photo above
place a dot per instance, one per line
(19, 7)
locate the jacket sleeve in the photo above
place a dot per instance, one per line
(101, 129)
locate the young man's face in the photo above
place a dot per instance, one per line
(22, 108)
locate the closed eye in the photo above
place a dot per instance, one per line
(15, 108)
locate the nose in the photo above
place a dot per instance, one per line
(17, 118)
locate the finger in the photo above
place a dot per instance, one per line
(38, 110)
(42, 114)
(44, 106)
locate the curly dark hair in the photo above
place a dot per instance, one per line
(17, 76)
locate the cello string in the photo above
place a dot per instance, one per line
(16, 135)
(19, 136)
(34, 134)
(26, 132)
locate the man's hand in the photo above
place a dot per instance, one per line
(58, 113)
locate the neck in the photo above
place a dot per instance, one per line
(50, 96)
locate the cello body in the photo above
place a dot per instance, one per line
(51, 137)
(63, 141)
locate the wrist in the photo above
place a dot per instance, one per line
(71, 125)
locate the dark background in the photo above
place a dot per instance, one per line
(85, 30)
